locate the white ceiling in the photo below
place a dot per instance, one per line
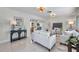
(59, 11)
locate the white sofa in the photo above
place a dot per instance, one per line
(44, 38)
(65, 36)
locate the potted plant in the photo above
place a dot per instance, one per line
(73, 40)
(77, 44)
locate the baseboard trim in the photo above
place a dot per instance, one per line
(4, 41)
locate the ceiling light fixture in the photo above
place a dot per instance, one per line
(52, 14)
(41, 9)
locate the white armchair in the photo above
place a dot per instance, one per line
(65, 36)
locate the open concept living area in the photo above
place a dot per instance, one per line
(39, 29)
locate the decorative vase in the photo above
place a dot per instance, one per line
(13, 27)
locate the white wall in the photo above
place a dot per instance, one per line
(63, 20)
(7, 14)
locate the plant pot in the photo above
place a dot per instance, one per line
(69, 47)
(77, 45)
